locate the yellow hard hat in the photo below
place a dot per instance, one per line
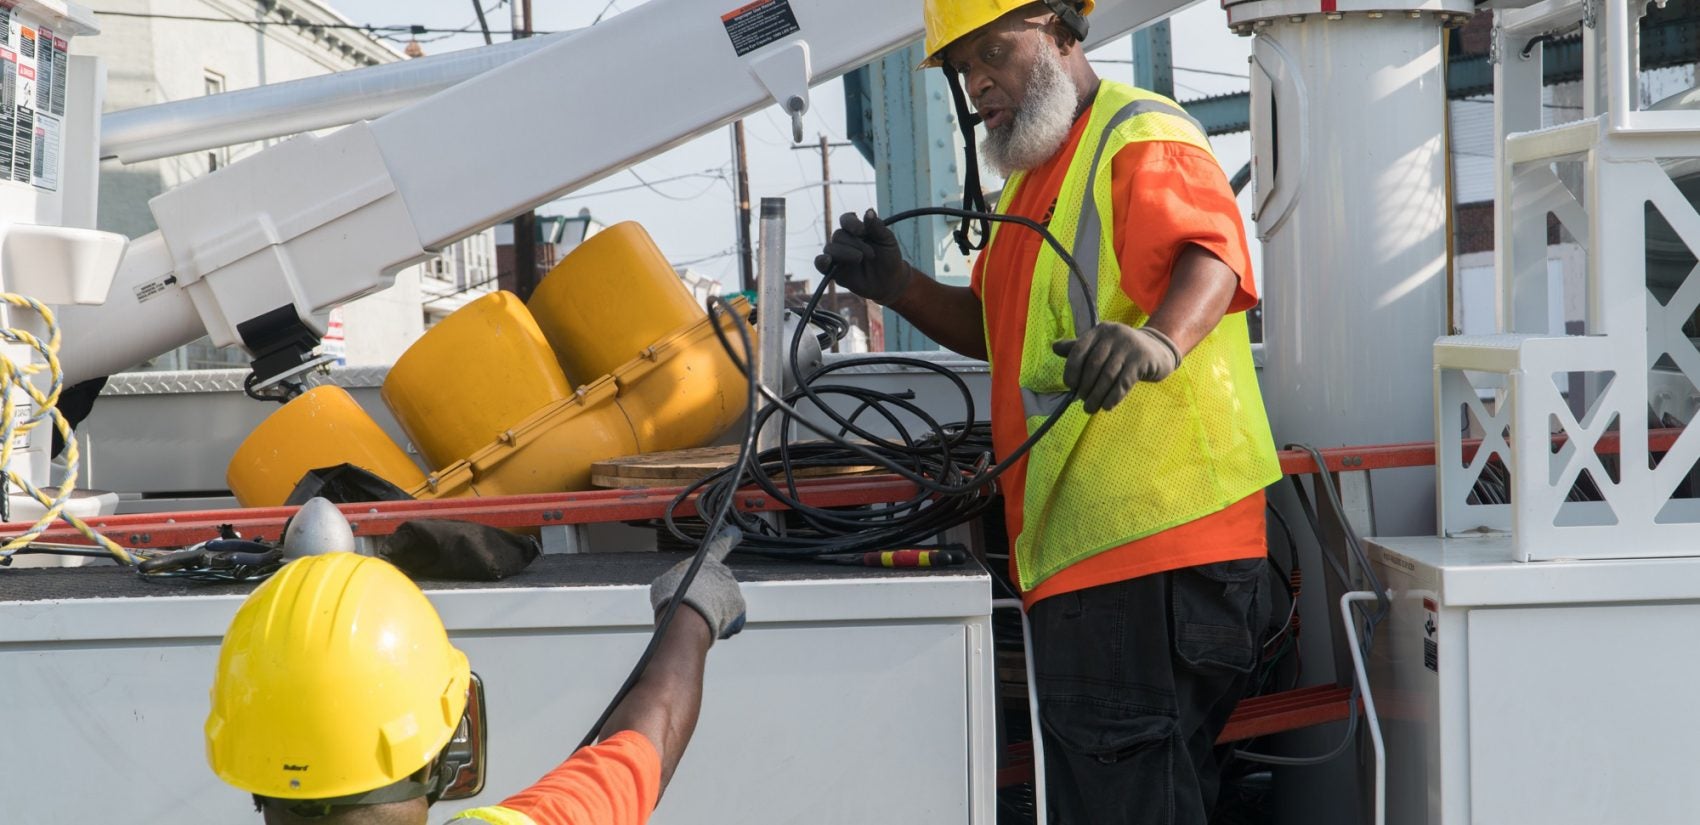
(335, 678)
(949, 20)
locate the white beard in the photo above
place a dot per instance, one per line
(1036, 130)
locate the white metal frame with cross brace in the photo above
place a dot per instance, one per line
(1618, 146)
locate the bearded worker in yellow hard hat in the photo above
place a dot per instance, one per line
(339, 700)
(1137, 521)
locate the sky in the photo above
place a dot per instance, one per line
(685, 197)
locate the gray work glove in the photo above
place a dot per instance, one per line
(1105, 363)
(864, 258)
(714, 592)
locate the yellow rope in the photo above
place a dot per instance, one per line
(12, 430)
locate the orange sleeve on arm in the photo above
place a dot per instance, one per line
(614, 782)
(1167, 195)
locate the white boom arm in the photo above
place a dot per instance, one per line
(255, 253)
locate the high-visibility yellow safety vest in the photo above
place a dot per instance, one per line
(1173, 450)
(494, 815)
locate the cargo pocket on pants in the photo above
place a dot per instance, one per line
(1215, 609)
(1106, 733)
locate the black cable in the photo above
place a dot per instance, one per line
(1353, 543)
(27, 550)
(745, 448)
(1287, 578)
(285, 391)
(834, 326)
(950, 464)
(952, 486)
(1367, 639)
(1529, 47)
(1292, 544)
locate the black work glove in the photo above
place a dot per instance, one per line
(1105, 363)
(863, 256)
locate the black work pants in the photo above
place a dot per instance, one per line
(1135, 681)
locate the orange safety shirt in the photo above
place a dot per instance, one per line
(614, 782)
(1166, 195)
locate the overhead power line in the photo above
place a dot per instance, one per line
(1213, 72)
(715, 174)
(725, 253)
(650, 185)
(816, 184)
(438, 296)
(412, 28)
(601, 14)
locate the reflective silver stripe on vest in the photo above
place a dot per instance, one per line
(1040, 404)
(1083, 297)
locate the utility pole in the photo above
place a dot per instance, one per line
(825, 148)
(525, 223)
(483, 25)
(826, 187)
(827, 220)
(746, 264)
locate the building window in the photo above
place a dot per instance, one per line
(220, 157)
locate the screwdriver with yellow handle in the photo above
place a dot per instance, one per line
(913, 558)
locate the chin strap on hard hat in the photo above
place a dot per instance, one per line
(973, 198)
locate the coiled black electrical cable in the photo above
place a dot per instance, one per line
(834, 326)
(951, 465)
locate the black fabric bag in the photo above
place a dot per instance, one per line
(344, 484)
(457, 550)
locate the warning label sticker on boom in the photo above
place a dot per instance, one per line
(26, 84)
(758, 24)
(44, 164)
(150, 290)
(8, 109)
(1431, 635)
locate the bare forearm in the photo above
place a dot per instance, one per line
(664, 704)
(1200, 291)
(950, 315)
